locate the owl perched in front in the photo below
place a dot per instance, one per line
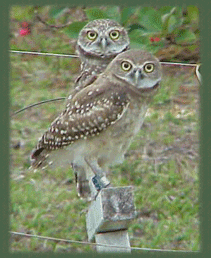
(98, 43)
(98, 125)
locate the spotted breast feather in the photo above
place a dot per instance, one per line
(89, 113)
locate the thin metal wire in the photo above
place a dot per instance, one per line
(179, 64)
(198, 74)
(37, 104)
(95, 244)
(41, 53)
(75, 56)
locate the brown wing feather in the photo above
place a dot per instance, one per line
(89, 113)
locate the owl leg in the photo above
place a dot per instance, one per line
(99, 180)
(82, 183)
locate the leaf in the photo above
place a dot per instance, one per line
(96, 13)
(22, 14)
(193, 47)
(165, 9)
(113, 13)
(126, 14)
(179, 12)
(139, 39)
(185, 36)
(135, 26)
(172, 20)
(166, 20)
(74, 28)
(173, 23)
(56, 12)
(193, 14)
(136, 35)
(150, 19)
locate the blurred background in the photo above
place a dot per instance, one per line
(162, 162)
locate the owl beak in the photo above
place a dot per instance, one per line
(104, 43)
(137, 76)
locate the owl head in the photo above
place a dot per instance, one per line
(102, 38)
(137, 68)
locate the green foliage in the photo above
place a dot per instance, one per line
(150, 19)
(95, 13)
(113, 13)
(167, 24)
(56, 12)
(74, 28)
(126, 13)
(185, 36)
(192, 14)
(21, 14)
(171, 21)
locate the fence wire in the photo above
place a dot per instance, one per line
(75, 56)
(42, 54)
(97, 244)
(37, 104)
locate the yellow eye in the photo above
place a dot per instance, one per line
(126, 66)
(149, 68)
(114, 34)
(92, 35)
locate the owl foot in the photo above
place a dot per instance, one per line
(99, 180)
(97, 183)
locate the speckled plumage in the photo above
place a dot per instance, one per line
(101, 120)
(96, 54)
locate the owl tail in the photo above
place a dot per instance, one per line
(38, 158)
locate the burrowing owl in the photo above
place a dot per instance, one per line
(98, 43)
(97, 127)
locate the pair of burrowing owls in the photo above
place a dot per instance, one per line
(107, 109)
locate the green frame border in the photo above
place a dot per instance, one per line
(205, 139)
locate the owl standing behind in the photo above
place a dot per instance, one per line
(98, 43)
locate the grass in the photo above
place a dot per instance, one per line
(162, 162)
